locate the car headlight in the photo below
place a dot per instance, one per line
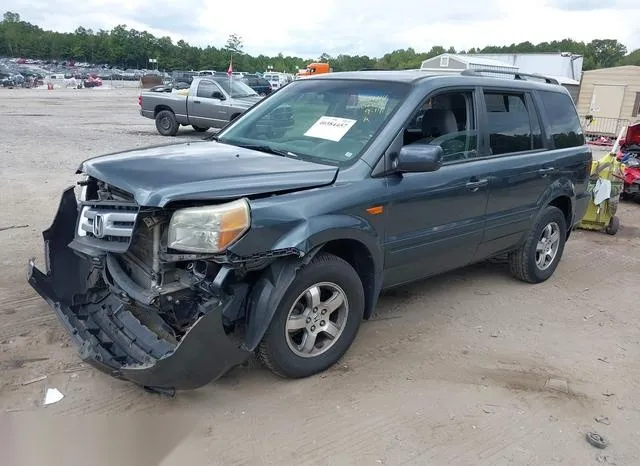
(209, 229)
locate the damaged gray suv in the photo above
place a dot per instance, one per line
(170, 265)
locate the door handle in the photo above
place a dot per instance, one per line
(545, 171)
(475, 184)
(196, 101)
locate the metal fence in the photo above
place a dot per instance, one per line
(595, 127)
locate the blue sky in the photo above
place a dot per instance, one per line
(373, 27)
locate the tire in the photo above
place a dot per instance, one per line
(282, 350)
(199, 129)
(614, 226)
(523, 262)
(166, 123)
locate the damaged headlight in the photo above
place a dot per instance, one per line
(209, 229)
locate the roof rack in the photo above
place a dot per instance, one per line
(516, 74)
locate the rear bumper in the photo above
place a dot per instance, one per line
(111, 338)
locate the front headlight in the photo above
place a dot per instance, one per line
(209, 229)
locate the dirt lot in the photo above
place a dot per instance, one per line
(451, 371)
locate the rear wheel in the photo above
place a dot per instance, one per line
(316, 321)
(166, 123)
(199, 129)
(614, 226)
(537, 259)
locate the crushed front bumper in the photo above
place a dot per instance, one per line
(111, 338)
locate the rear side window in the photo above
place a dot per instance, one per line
(511, 125)
(565, 128)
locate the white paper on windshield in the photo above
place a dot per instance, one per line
(330, 128)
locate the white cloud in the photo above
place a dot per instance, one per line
(371, 27)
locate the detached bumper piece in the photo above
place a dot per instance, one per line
(111, 338)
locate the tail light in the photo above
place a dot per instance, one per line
(140, 100)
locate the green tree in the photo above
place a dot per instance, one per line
(234, 44)
(605, 53)
(632, 59)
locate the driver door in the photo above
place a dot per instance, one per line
(205, 110)
(436, 220)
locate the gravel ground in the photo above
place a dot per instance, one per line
(459, 369)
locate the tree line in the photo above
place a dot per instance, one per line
(125, 47)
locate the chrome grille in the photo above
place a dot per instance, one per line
(108, 222)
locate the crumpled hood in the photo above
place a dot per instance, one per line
(203, 170)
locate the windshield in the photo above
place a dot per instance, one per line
(234, 86)
(326, 121)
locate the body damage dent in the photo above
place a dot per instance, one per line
(112, 339)
(316, 232)
(267, 293)
(312, 236)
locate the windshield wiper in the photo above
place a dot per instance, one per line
(267, 149)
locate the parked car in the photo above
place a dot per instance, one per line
(211, 102)
(92, 81)
(276, 80)
(176, 263)
(258, 84)
(183, 76)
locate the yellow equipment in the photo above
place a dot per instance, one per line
(602, 216)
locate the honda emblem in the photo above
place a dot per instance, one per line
(98, 226)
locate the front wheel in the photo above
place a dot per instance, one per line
(316, 321)
(537, 259)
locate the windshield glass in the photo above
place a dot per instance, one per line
(234, 86)
(326, 121)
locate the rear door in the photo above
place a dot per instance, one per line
(572, 156)
(521, 162)
(203, 109)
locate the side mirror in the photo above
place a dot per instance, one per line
(218, 95)
(418, 158)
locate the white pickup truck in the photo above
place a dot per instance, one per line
(212, 101)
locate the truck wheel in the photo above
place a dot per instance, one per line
(537, 259)
(166, 123)
(316, 321)
(199, 129)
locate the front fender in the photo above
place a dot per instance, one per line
(309, 238)
(322, 229)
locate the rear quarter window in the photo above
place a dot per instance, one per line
(564, 125)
